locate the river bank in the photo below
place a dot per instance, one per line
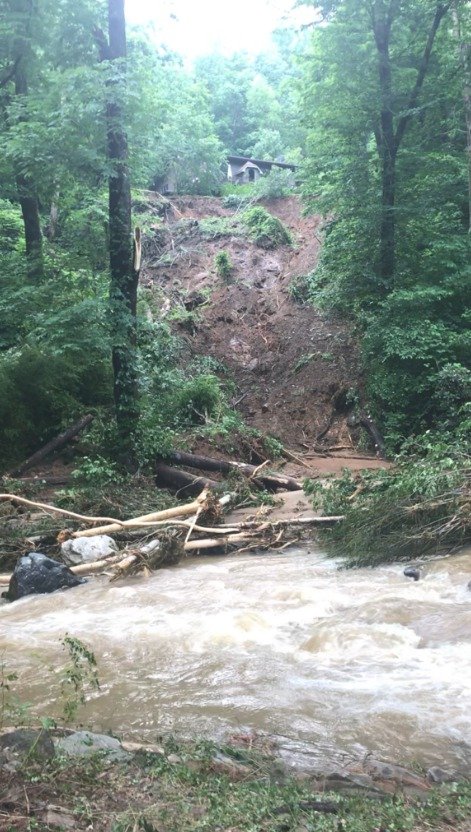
(243, 787)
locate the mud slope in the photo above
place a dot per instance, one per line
(293, 365)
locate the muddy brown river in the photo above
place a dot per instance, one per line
(332, 663)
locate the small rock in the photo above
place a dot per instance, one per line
(36, 574)
(222, 764)
(384, 773)
(88, 549)
(174, 759)
(440, 775)
(137, 747)
(84, 743)
(26, 743)
(57, 816)
(412, 572)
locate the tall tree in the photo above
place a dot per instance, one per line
(390, 131)
(124, 259)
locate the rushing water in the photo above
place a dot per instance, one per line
(333, 662)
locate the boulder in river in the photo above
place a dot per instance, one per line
(88, 549)
(412, 572)
(36, 574)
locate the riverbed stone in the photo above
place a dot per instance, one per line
(437, 775)
(25, 743)
(88, 549)
(412, 572)
(385, 774)
(36, 574)
(85, 744)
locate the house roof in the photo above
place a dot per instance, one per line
(242, 160)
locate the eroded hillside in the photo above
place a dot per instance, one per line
(295, 367)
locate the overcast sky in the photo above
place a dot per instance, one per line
(197, 27)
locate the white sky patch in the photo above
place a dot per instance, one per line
(199, 27)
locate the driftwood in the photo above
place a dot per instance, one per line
(272, 482)
(180, 481)
(54, 445)
(138, 522)
(251, 534)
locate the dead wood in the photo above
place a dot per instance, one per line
(54, 510)
(272, 482)
(54, 445)
(180, 481)
(137, 522)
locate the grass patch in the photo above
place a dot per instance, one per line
(181, 791)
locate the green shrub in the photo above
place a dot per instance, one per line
(223, 264)
(39, 393)
(200, 399)
(420, 507)
(264, 229)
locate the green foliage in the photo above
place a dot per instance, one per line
(80, 676)
(96, 472)
(275, 184)
(420, 507)
(415, 323)
(223, 265)
(39, 393)
(200, 399)
(264, 229)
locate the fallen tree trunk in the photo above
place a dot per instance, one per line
(54, 445)
(262, 534)
(272, 482)
(180, 481)
(136, 522)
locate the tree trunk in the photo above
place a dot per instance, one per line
(28, 199)
(54, 445)
(272, 482)
(388, 139)
(387, 149)
(465, 61)
(124, 276)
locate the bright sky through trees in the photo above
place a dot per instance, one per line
(198, 28)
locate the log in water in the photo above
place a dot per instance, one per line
(335, 663)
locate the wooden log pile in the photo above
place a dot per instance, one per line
(198, 526)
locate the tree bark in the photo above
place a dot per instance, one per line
(271, 481)
(185, 484)
(387, 147)
(388, 139)
(465, 61)
(124, 275)
(27, 194)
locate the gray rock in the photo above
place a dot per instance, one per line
(36, 574)
(88, 549)
(440, 775)
(26, 743)
(412, 572)
(84, 743)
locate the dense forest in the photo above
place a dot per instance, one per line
(371, 102)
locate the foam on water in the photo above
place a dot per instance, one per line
(334, 661)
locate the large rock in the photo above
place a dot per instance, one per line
(84, 743)
(88, 549)
(36, 574)
(25, 744)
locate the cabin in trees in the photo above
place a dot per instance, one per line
(242, 169)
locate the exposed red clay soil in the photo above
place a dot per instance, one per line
(294, 366)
